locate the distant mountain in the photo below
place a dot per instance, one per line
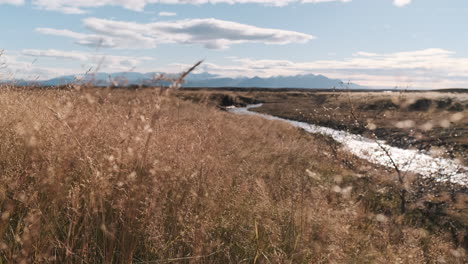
(307, 81)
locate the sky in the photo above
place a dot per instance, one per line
(376, 43)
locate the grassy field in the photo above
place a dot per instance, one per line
(142, 176)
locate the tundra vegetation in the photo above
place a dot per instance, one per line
(100, 175)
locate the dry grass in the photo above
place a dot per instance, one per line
(108, 176)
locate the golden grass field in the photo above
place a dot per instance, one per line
(140, 176)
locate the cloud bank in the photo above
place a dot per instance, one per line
(109, 61)
(30, 64)
(14, 66)
(82, 6)
(211, 33)
(12, 2)
(427, 68)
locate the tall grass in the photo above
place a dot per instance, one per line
(116, 176)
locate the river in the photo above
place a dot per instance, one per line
(378, 152)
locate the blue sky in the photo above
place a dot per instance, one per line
(378, 43)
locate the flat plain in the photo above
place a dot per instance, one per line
(97, 175)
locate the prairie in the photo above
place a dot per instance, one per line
(141, 176)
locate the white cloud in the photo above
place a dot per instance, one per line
(15, 66)
(58, 54)
(12, 2)
(32, 64)
(365, 54)
(95, 40)
(167, 14)
(211, 33)
(111, 62)
(401, 3)
(80, 6)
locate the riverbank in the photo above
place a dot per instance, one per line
(403, 161)
(432, 121)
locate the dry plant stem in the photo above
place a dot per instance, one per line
(154, 118)
(155, 115)
(183, 75)
(401, 181)
(400, 175)
(72, 133)
(177, 259)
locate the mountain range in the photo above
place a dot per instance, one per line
(306, 81)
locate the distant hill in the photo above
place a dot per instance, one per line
(307, 81)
